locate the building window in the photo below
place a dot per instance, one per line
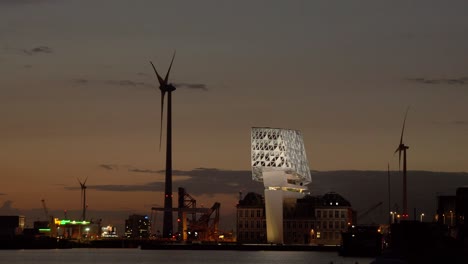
(258, 213)
(319, 214)
(337, 214)
(343, 215)
(252, 224)
(246, 224)
(337, 225)
(300, 224)
(318, 224)
(294, 224)
(330, 214)
(306, 225)
(241, 213)
(330, 225)
(324, 224)
(246, 235)
(343, 224)
(240, 224)
(251, 213)
(258, 224)
(324, 214)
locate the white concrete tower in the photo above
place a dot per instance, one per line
(279, 161)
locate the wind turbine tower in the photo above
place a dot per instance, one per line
(402, 148)
(168, 88)
(83, 198)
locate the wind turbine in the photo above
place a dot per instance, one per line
(83, 197)
(168, 88)
(402, 148)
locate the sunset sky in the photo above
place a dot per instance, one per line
(78, 96)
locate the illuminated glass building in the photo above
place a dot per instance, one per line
(278, 159)
(137, 226)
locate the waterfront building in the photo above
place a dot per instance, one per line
(333, 215)
(137, 226)
(11, 225)
(251, 224)
(314, 220)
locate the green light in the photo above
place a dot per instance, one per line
(68, 222)
(44, 229)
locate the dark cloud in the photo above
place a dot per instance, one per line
(362, 188)
(133, 83)
(7, 209)
(21, 2)
(195, 86)
(460, 122)
(38, 50)
(454, 81)
(80, 81)
(128, 83)
(108, 166)
(143, 170)
(208, 181)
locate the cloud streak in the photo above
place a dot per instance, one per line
(135, 83)
(453, 81)
(460, 123)
(208, 181)
(38, 50)
(127, 83)
(194, 86)
(108, 166)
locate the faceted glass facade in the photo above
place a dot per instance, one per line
(279, 149)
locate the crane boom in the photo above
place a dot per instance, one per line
(372, 208)
(46, 211)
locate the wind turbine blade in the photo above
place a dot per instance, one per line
(84, 183)
(160, 79)
(162, 111)
(81, 184)
(403, 128)
(169, 70)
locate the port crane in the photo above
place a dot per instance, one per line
(368, 211)
(204, 228)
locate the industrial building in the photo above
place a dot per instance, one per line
(11, 226)
(137, 226)
(314, 220)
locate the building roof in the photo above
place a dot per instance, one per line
(334, 199)
(252, 200)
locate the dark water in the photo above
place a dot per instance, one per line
(113, 256)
